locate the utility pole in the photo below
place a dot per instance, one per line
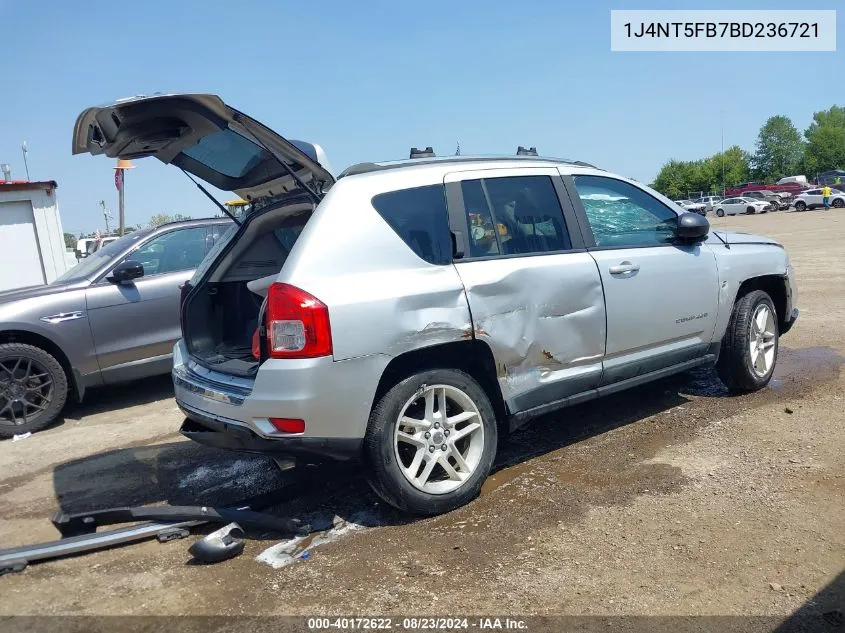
(25, 164)
(120, 183)
(722, 119)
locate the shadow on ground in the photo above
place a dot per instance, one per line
(185, 473)
(824, 612)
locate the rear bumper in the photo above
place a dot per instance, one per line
(334, 398)
(228, 435)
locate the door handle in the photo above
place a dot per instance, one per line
(624, 268)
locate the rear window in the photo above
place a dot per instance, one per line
(226, 152)
(419, 217)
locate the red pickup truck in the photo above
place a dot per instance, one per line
(793, 188)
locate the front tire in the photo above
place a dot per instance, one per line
(750, 210)
(800, 206)
(839, 203)
(431, 441)
(33, 389)
(750, 346)
(720, 213)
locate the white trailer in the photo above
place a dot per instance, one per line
(32, 243)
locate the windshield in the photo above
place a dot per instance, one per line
(91, 264)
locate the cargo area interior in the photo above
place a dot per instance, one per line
(221, 315)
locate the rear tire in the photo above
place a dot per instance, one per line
(33, 389)
(408, 466)
(800, 206)
(750, 347)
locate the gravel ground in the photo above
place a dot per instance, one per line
(673, 500)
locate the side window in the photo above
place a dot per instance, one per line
(182, 249)
(514, 215)
(623, 215)
(419, 217)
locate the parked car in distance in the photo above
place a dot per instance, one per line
(738, 206)
(774, 199)
(801, 180)
(695, 207)
(111, 318)
(409, 313)
(88, 245)
(812, 198)
(708, 202)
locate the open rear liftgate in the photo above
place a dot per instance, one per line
(165, 523)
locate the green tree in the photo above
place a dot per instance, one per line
(70, 241)
(674, 178)
(677, 178)
(779, 149)
(734, 163)
(825, 141)
(163, 218)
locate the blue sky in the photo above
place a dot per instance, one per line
(367, 80)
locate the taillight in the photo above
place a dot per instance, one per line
(297, 323)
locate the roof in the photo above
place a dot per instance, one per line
(26, 185)
(195, 222)
(366, 168)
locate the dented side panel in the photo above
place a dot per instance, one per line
(544, 319)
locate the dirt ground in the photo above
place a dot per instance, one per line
(673, 499)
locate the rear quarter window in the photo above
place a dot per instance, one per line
(419, 217)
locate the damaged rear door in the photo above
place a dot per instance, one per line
(534, 292)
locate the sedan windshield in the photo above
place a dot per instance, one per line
(91, 264)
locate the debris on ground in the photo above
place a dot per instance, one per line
(298, 547)
(22, 436)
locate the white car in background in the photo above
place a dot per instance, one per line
(709, 202)
(813, 198)
(689, 205)
(737, 206)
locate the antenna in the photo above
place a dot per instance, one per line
(521, 151)
(458, 150)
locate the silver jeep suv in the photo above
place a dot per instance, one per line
(411, 313)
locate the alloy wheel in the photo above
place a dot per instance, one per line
(26, 389)
(762, 340)
(439, 439)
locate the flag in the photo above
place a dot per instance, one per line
(118, 178)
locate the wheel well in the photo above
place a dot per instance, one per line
(774, 286)
(36, 340)
(474, 357)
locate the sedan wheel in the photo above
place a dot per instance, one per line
(839, 203)
(33, 389)
(800, 205)
(720, 213)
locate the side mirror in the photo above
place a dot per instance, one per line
(127, 271)
(692, 227)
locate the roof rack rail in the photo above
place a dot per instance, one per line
(521, 151)
(428, 152)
